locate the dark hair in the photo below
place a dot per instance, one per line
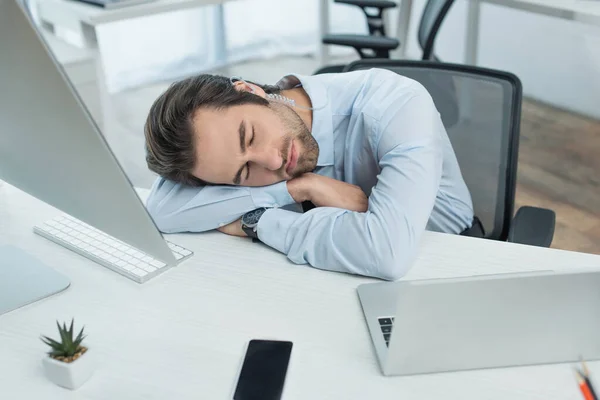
(170, 149)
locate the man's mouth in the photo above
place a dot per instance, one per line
(292, 159)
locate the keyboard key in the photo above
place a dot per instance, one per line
(386, 336)
(385, 321)
(158, 264)
(139, 272)
(118, 254)
(386, 328)
(137, 254)
(147, 267)
(129, 267)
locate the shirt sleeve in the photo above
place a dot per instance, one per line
(180, 208)
(381, 242)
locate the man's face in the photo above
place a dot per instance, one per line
(252, 145)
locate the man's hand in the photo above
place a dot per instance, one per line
(233, 229)
(323, 191)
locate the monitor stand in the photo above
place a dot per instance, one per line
(24, 279)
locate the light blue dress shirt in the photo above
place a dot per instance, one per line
(375, 129)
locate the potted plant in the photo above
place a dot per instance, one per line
(68, 363)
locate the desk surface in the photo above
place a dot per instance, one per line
(182, 335)
(94, 15)
(580, 10)
(577, 10)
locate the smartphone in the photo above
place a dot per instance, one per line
(263, 370)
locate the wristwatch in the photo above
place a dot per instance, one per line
(250, 222)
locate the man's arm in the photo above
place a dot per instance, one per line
(180, 208)
(333, 193)
(382, 241)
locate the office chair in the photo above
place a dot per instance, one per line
(434, 13)
(374, 45)
(485, 138)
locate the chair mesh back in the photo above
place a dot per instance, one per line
(481, 112)
(431, 20)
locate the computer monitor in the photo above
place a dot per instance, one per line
(51, 148)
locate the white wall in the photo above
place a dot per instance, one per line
(558, 61)
(269, 28)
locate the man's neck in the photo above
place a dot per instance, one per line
(301, 98)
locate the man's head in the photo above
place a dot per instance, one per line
(206, 129)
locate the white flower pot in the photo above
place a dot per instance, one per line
(70, 375)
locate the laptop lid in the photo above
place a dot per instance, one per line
(494, 321)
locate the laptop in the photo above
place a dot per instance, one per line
(505, 320)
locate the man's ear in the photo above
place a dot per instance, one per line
(249, 87)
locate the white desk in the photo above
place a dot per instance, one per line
(182, 335)
(92, 15)
(88, 17)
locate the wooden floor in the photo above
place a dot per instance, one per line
(559, 168)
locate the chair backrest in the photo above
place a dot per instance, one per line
(431, 20)
(481, 110)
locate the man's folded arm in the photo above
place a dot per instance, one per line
(180, 208)
(381, 242)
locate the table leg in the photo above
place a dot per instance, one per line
(323, 50)
(402, 29)
(221, 36)
(472, 34)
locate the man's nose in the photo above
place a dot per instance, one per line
(269, 158)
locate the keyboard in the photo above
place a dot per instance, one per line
(386, 324)
(106, 250)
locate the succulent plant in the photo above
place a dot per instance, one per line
(68, 347)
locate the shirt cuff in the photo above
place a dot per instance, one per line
(276, 195)
(273, 227)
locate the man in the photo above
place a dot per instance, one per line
(367, 148)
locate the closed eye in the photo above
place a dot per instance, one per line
(248, 164)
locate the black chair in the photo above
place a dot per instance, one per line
(434, 13)
(374, 45)
(485, 138)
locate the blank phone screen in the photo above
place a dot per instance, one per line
(263, 371)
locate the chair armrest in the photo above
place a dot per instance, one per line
(533, 226)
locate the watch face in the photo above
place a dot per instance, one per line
(251, 218)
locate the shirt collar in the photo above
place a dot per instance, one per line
(322, 125)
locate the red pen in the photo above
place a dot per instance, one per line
(585, 390)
